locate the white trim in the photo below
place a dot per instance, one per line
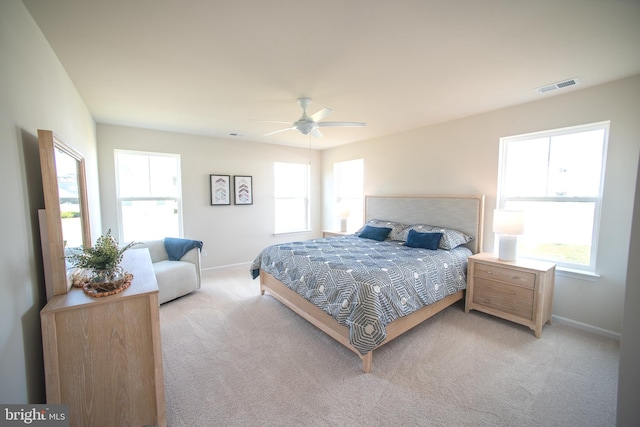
(280, 233)
(559, 131)
(585, 327)
(222, 267)
(177, 198)
(305, 197)
(589, 276)
(589, 272)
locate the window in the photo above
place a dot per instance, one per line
(148, 193)
(348, 180)
(556, 178)
(291, 197)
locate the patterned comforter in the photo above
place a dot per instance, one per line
(365, 284)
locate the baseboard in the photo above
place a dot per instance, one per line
(586, 327)
(222, 267)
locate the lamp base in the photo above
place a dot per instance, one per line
(343, 224)
(507, 247)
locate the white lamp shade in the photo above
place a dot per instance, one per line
(509, 222)
(343, 215)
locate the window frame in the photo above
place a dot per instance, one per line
(120, 199)
(306, 198)
(502, 199)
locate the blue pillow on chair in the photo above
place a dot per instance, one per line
(375, 233)
(423, 240)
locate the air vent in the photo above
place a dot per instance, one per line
(558, 85)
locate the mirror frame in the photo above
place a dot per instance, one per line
(53, 242)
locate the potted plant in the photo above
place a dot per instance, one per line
(103, 260)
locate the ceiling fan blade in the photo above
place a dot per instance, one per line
(341, 124)
(316, 117)
(270, 121)
(316, 132)
(277, 131)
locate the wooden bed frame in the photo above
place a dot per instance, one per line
(464, 213)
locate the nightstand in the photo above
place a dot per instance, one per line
(333, 233)
(520, 291)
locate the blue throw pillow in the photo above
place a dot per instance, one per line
(423, 240)
(375, 233)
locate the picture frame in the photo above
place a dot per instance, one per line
(243, 190)
(220, 189)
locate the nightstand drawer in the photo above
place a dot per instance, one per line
(508, 275)
(507, 298)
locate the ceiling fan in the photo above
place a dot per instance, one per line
(311, 124)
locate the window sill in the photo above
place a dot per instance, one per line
(589, 276)
(280, 233)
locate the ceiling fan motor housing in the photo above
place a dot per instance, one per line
(305, 125)
(311, 124)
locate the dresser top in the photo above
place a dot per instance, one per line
(522, 262)
(135, 261)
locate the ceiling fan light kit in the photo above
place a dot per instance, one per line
(309, 125)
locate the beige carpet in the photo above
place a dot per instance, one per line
(235, 358)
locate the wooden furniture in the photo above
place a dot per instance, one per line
(520, 291)
(63, 171)
(102, 356)
(334, 233)
(339, 332)
(464, 213)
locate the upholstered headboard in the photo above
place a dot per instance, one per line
(461, 212)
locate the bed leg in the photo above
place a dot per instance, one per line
(262, 279)
(367, 361)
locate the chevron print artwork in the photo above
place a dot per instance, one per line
(220, 193)
(220, 189)
(244, 191)
(365, 284)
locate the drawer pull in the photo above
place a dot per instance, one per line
(488, 302)
(506, 291)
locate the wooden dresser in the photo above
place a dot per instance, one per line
(520, 291)
(102, 356)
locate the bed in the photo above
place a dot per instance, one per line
(366, 289)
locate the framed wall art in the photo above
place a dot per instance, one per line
(220, 190)
(243, 190)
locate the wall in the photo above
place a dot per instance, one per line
(629, 378)
(35, 93)
(461, 156)
(231, 234)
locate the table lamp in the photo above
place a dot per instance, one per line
(344, 218)
(508, 224)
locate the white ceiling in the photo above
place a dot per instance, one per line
(217, 67)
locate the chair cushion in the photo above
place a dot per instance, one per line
(175, 278)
